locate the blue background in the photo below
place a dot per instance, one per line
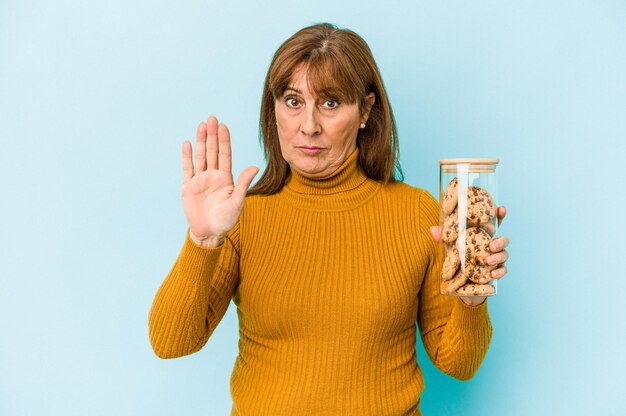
(97, 97)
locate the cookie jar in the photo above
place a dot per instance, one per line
(468, 204)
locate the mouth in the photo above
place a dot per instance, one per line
(310, 150)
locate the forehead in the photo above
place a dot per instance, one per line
(300, 81)
(320, 81)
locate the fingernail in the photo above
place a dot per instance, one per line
(491, 260)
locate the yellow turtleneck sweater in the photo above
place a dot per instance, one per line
(329, 278)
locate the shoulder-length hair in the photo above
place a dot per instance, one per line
(340, 65)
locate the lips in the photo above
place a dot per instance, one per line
(310, 150)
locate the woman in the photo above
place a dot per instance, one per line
(330, 262)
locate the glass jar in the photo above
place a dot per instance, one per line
(468, 205)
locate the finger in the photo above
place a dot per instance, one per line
(498, 258)
(243, 183)
(499, 272)
(225, 158)
(187, 162)
(499, 244)
(501, 213)
(435, 231)
(211, 143)
(201, 147)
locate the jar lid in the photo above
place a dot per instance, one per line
(470, 161)
(468, 165)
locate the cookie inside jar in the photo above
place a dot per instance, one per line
(468, 218)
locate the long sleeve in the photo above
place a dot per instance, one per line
(193, 297)
(456, 336)
(329, 276)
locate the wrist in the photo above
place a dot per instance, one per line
(473, 300)
(208, 241)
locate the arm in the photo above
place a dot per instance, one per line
(456, 336)
(193, 297)
(196, 293)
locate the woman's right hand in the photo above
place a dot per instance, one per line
(212, 203)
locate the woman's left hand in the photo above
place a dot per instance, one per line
(498, 256)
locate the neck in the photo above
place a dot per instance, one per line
(345, 188)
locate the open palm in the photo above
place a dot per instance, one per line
(211, 201)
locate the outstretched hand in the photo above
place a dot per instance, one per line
(211, 201)
(498, 255)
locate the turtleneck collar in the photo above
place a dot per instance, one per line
(345, 188)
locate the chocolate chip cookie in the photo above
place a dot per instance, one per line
(476, 246)
(451, 261)
(480, 206)
(451, 196)
(489, 227)
(450, 230)
(476, 290)
(478, 273)
(449, 287)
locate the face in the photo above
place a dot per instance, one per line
(316, 134)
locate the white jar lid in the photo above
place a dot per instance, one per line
(471, 161)
(468, 165)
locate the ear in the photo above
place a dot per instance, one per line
(370, 99)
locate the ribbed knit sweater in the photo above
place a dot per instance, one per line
(330, 277)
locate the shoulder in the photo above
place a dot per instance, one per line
(402, 189)
(417, 200)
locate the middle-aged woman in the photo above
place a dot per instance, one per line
(331, 260)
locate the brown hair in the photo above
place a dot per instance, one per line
(340, 65)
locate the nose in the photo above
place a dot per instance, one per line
(310, 125)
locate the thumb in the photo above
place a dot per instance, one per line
(435, 231)
(244, 181)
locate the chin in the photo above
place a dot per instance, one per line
(311, 171)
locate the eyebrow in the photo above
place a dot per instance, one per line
(297, 91)
(334, 94)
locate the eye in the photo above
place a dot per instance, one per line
(331, 104)
(291, 102)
